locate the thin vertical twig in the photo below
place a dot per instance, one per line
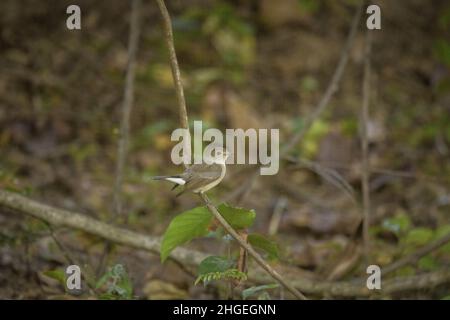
(128, 98)
(127, 104)
(182, 110)
(184, 123)
(364, 121)
(176, 75)
(280, 207)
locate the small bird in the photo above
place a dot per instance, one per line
(200, 178)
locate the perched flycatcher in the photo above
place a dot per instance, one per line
(200, 178)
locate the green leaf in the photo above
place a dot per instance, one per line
(217, 268)
(107, 296)
(442, 51)
(58, 275)
(214, 264)
(103, 279)
(441, 232)
(238, 218)
(398, 224)
(253, 290)
(309, 6)
(261, 242)
(123, 285)
(117, 284)
(419, 236)
(234, 274)
(406, 271)
(185, 227)
(311, 140)
(124, 288)
(428, 263)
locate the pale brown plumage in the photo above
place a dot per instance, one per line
(200, 177)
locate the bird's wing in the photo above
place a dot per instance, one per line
(199, 175)
(203, 171)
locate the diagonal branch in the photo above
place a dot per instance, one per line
(75, 220)
(332, 87)
(183, 256)
(244, 244)
(413, 257)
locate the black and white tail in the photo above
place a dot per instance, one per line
(175, 179)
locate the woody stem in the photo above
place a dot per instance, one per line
(274, 274)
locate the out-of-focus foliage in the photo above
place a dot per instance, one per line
(261, 291)
(249, 64)
(115, 283)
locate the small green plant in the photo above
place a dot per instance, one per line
(199, 222)
(115, 283)
(410, 238)
(218, 268)
(58, 275)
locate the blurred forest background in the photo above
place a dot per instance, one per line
(244, 64)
